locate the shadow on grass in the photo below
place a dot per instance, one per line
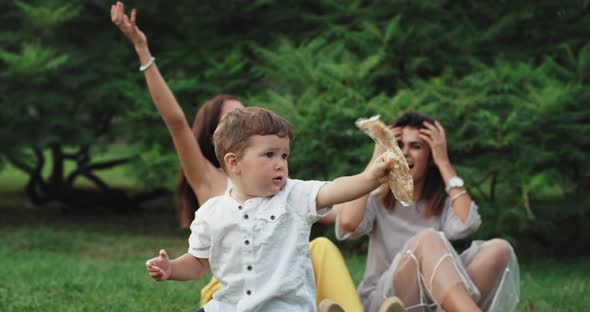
(157, 218)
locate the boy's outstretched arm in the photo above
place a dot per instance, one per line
(184, 268)
(197, 168)
(351, 213)
(349, 188)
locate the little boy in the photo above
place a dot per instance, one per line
(255, 237)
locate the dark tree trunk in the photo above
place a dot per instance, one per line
(59, 188)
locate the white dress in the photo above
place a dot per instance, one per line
(393, 233)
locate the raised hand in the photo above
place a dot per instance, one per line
(127, 25)
(159, 267)
(434, 135)
(397, 131)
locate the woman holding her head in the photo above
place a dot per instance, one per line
(409, 253)
(200, 175)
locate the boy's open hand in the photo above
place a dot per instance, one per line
(127, 25)
(159, 267)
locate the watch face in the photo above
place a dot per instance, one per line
(454, 182)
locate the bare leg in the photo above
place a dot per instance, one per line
(427, 266)
(407, 281)
(487, 266)
(457, 299)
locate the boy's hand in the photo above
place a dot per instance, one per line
(159, 267)
(379, 169)
(127, 25)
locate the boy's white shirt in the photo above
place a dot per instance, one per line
(262, 247)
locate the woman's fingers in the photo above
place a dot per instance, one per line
(439, 126)
(117, 15)
(121, 7)
(426, 138)
(133, 14)
(429, 133)
(126, 23)
(397, 132)
(120, 13)
(113, 13)
(428, 125)
(433, 131)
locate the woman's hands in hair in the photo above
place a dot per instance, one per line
(127, 25)
(397, 131)
(434, 135)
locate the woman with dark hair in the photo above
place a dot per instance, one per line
(201, 178)
(203, 127)
(409, 253)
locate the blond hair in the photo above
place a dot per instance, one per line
(237, 126)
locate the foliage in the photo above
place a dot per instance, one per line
(508, 80)
(55, 113)
(515, 114)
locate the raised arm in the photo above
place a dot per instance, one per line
(434, 135)
(203, 177)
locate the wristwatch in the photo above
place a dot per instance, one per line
(453, 183)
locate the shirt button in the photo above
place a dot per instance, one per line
(247, 242)
(248, 292)
(272, 217)
(246, 216)
(240, 207)
(249, 268)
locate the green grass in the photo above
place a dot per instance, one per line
(96, 262)
(88, 261)
(50, 261)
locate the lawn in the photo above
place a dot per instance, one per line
(94, 261)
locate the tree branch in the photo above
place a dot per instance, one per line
(96, 180)
(87, 169)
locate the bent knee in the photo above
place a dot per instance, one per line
(499, 249)
(429, 233)
(429, 236)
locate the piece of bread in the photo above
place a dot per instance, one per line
(400, 179)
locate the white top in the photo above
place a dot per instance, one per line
(389, 230)
(259, 250)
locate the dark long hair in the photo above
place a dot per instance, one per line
(434, 186)
(203, 127)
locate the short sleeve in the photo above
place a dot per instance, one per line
(365, 226)
(454, 228)
(200, 238)
(303, 196)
